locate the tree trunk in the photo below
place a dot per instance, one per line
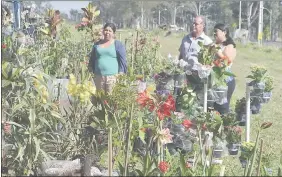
(252, 15)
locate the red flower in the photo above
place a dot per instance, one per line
(163, 166)
(144, 100)
(187, 123)
(204, 127)
(188, 165)
(4, 46)
(166, 108)
(105, 102)
(7, 128)
(238, 130)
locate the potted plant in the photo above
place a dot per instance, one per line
(246, 152)
(233, 137)
(267, 90)
(240, 109)
(258, 76)
(229, 119)
(219, 75)
(218, 148)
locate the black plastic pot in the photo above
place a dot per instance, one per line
(233, 149)
(243, 162)
(217, 153)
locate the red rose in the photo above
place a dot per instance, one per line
(163, 166)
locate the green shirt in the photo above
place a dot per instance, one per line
(106, 63)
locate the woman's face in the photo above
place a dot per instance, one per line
(108, 33)
(219, 35)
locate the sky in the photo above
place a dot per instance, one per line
(66, 6)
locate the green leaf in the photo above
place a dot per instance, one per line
(37, 147)
(5, 83)
(139, 172)
(121, 168)
(229, 73)
(250, 77)
(16, 124)
(56, 114)
(182, 164)
(32, 117)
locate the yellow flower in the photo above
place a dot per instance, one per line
(72, 79)
(72, 89)
(151, 88)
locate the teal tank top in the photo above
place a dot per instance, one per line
(106, 63)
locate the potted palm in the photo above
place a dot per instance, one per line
(240, 109)
(267, 90)
(233, 137)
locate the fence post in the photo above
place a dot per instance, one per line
(248, 106)
(206, 95)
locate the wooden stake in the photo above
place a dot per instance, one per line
(110, 152)
(260, 157)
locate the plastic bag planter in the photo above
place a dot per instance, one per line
(179, 80)
(221, 94)
(204, 71)
(164, 81)
(258, 87)
(266, 97)
(256, 105)
(212, 98)
(241, 117)
(181, 140)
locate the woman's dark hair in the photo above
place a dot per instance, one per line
(111, 25)
(229, 40)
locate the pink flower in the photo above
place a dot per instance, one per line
(165, 136)
(4, 46)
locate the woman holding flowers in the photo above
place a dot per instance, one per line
(107, 59)
(226, 54)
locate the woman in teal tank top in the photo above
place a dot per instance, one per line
(107, 60)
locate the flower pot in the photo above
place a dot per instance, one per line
(221, 95)
(243, 162)
(266, 97)
(259, 87)
(241, 117)
(233, 149)
(217, 153)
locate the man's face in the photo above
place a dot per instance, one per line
(198, 26)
